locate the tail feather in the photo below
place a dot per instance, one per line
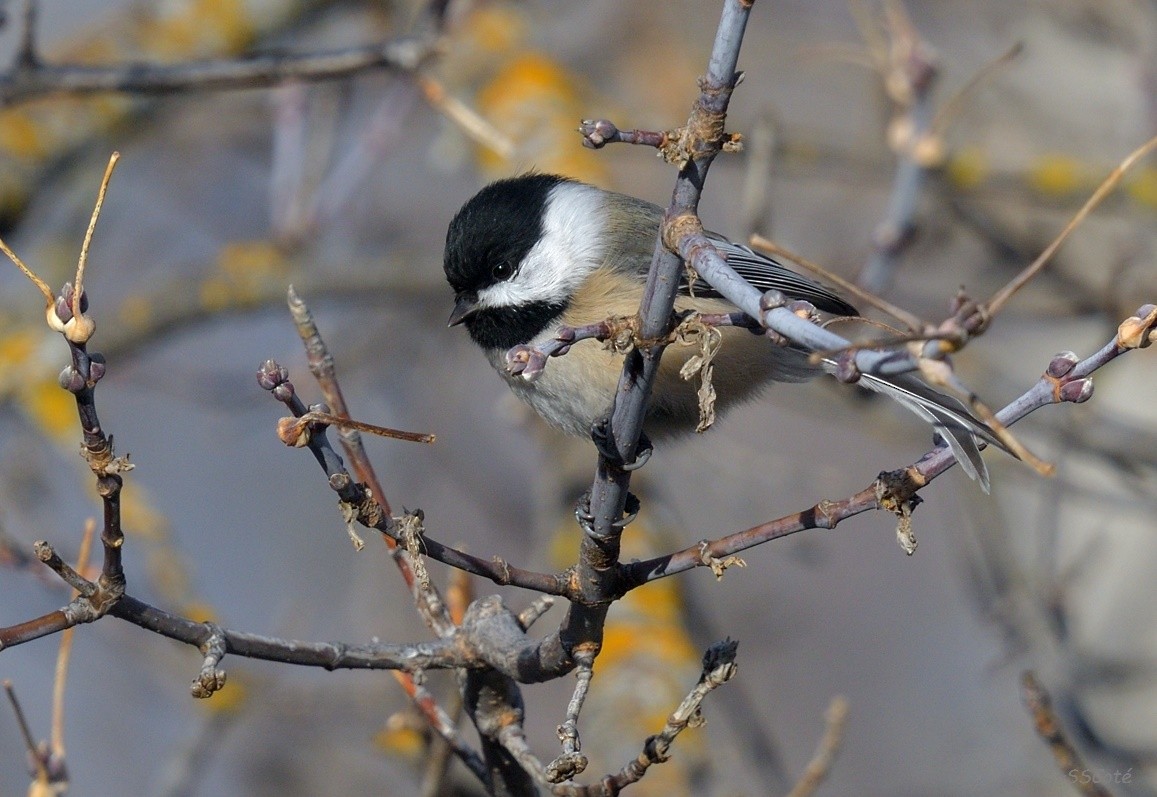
(958, 427)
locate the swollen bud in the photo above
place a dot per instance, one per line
(1062, 363)
(1077, 391)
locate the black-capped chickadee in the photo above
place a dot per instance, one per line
(530, 254)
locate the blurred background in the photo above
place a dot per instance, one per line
(344, 189)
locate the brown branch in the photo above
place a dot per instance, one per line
(365, 510)
(1049, 728)
(821, 763)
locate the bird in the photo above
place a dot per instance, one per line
(529, 255)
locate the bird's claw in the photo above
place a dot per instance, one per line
(605, 443)
(630, 512)
(586, 519)
(582, 513)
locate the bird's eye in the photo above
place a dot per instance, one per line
(502, 271)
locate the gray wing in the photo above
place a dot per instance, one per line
(767, 274)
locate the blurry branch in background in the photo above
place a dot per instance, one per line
(818, 768)
(908, 68)
(31, 77)
(49, 773)
(1049, 728)
(48, 760)
(297, 208)
(932, 344)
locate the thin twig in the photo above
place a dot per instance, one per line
(572, 762)
(83, 260)
(477, 128)
(1049, 728)
(718, 668)
(900, 314)
(26, 731)
(315, 416)
(1001, 297)
(40, 284)
(65, 654)
(368, 512)
(950, 109)
(820, 765)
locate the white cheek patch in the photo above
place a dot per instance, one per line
(571, 248)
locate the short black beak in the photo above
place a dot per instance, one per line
(466, 304)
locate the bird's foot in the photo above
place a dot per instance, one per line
(605, 443)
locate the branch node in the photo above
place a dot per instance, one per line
(770, 300)
(896, 493)
(565, 767)
(410, 530)
(211, 679)
(718, 566)
(349, 514)
(537, 608)
(1138, 331)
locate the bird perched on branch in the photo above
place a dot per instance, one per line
(530, 255)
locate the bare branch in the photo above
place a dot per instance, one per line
(27, 81)
(1049, 728)
(365, 509)
(79, 281)
(597, 133)
(1067, 379)
(821, 764)
(60, 679)
(1001, 297)
(718, 668)
(621, 441)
